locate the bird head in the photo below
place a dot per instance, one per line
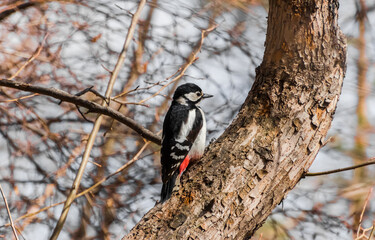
(189, 93)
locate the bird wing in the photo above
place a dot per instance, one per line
(181, 127)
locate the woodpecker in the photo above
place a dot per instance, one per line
(184, 135)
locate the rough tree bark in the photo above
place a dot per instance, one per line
(274, 139)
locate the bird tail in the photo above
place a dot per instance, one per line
(166, 190)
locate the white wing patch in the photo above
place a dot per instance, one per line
(180, 147)
(186, 126)
(197, 149)
(199, 144)
(174, 156)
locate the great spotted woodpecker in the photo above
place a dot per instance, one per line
(184, 135)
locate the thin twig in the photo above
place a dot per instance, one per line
(21, 98)
(192, 58)
(98, 121)
(100, 182)
(9, 215)
(340, 169)
(135, 158)
(363, 212)
(130, 103)
(35, 55)
(372, 230)
(125, 93)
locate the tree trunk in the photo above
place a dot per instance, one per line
(274, 139)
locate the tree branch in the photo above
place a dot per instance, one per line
(97, 124)
(191, 59)
(35, 55)
(308, 174)
(6, 13)
(93, 187)
(10, 216)
(20, 6)
(91, 106)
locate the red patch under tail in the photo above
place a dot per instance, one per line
(184, 164)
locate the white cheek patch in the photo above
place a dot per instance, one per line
(192, 96)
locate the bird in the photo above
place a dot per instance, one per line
(184, 135)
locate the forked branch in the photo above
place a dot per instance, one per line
(91, 106)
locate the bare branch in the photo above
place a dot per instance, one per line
(340, 169)
(6, 13)
(91, 106)
(361, 216)
(35, 55)
(96, 127)
(192, 58)
(10, 216)
(93, 187)
(21, 98)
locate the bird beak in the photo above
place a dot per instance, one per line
(205, 95)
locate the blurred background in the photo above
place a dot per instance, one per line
(76, 44)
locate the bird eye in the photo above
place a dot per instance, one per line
(199, 94)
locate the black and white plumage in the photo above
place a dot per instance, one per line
(184, 135)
